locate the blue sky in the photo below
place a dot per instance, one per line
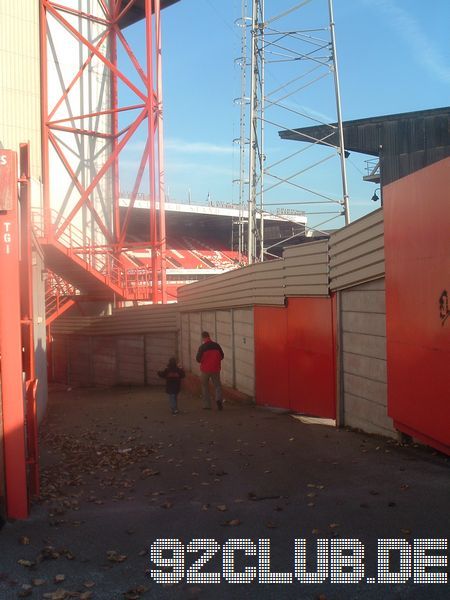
(394, 56)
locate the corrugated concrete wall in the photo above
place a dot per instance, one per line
(104, 361)
(303, 271)
(130, 359)
(224, 327)
(88, 360)
(138, 319)
(159, 347)
(244, 350)
(363, 359)
(306, 269)
(233, 330)
(256, 284)
(126, 348)
(357, 252)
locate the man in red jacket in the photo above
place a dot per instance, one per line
(210, 356)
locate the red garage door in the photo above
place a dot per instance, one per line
(271, 357)
(295, 356)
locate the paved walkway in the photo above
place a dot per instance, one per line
(119, 472)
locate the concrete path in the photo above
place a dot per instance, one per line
(120, 472)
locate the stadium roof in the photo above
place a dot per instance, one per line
(405, 142)
(137, 12)
(200, 221)
(216, 213)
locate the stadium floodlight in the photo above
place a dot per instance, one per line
(292, 53)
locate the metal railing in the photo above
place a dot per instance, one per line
(132, 283)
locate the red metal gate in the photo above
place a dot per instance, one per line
(18, 382)
(295, 356)
(417, 252)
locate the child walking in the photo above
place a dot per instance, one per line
(173, 375)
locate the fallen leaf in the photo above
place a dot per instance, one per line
(232, 523)
(24, 540)
(333, 525)
(114, 556)
(89, 584)
(59, 594)
(222, 507)
(38, 582)
(59, 578)
(25, 563)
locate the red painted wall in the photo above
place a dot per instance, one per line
(417, 252)
(295, 356)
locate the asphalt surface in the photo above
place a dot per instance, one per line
(120, 472)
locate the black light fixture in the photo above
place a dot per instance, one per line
(375, 197)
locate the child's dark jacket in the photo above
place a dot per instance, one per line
(173, 377)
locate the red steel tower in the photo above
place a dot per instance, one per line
(85, 127)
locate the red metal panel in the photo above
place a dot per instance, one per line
(312, 388)
(8, 179)
(271, 356)
(417, 251)
(11, 362)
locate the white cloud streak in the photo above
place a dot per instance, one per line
(184, 147)
(199, 169)
(421, 45)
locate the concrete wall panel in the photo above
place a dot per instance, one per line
(363, 339)
(159, 347)
(224, 337)
(130, 363)
(104, 361)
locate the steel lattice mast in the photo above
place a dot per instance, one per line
(85, 129)
(273, 44)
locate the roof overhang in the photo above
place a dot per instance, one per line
(367, 135)
(137, 12)
(404, 142)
